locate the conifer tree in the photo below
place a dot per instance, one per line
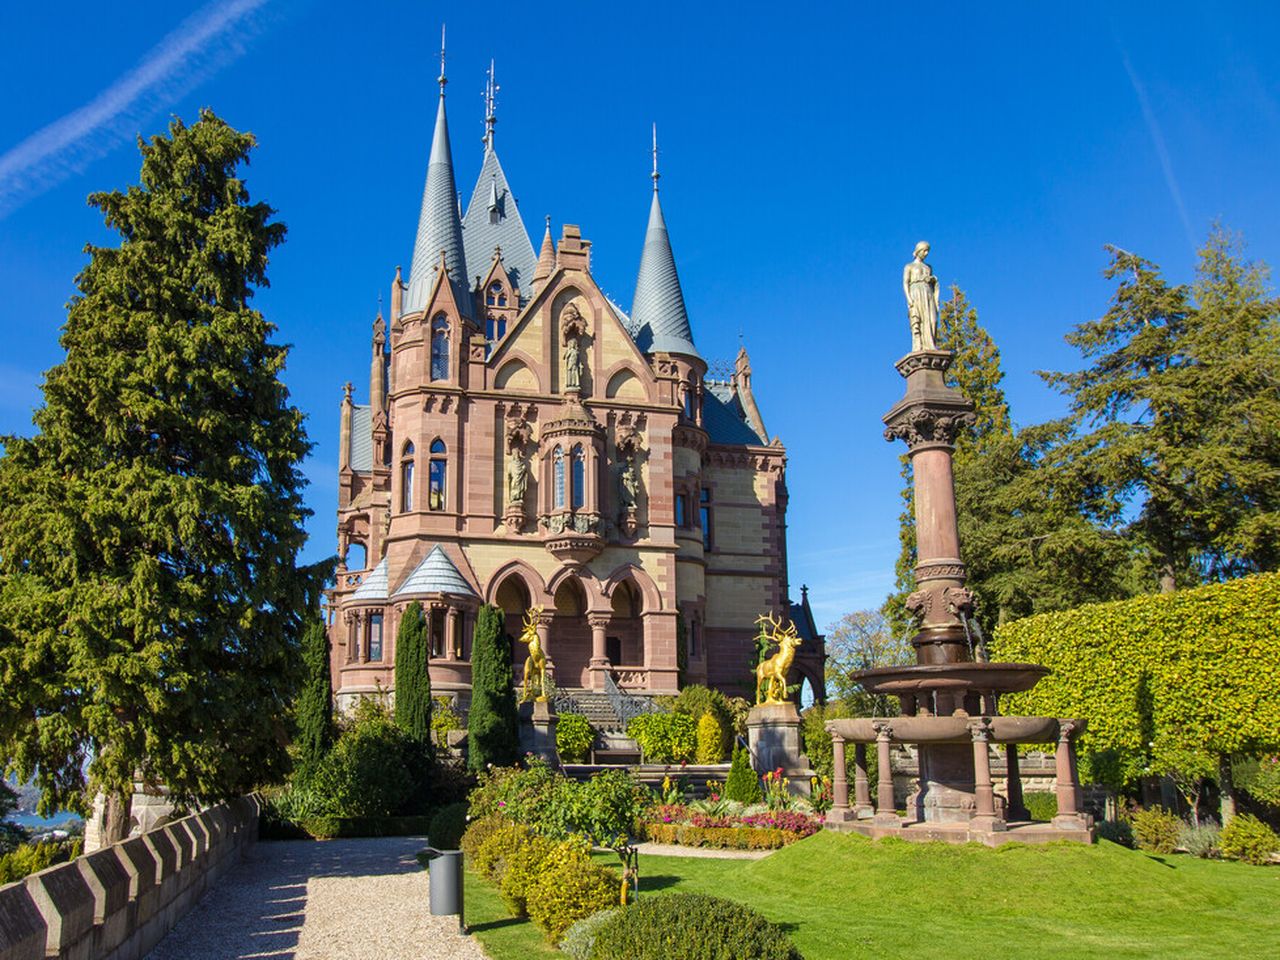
(315, 702)
(149, 531)
(413, 682)
(493, 732)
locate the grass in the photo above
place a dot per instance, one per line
(845, 897)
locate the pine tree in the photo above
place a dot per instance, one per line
(315, 702)
(413, 682)
(149, 531)
(493, 732)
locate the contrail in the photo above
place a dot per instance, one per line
(1162, 152)
(202, 44)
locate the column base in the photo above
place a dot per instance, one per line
(598, 667)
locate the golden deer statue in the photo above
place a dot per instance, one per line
(535, 665)
(771, 674)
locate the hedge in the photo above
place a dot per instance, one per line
(721, 838)
(1161, 680)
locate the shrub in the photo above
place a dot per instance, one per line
(31, 858)
(478, 831)
(664, 737)
(444, 719)
(721, 838)
(493, 731)
(571, 888)
(1041, 804)
(690, 926)
(606, 807)
(1201, 840)
(534, 795)
(413, 681)
(710, 739)
(743, 785)
(696, 701)
(1247, 838)
(372, 771)
(1260, 779)
(522, 870)
(581, 937)
(448, 826)
(491, 856)
(314, 709)
(1117, 831)
(1157, 830)
(574, 736)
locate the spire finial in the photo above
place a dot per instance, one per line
(655, 173)
(491, 89)
(442, 79)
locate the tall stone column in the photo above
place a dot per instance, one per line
(861, 787)
(984, 814)
(839, 778)
(1065, 770)
(450, 632)
(884, 794)
(599, 665)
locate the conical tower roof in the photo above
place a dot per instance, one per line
(492, 220)
(439, 226)
(658, 313)
(436, 574)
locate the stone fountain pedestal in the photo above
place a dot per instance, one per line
(773, 737)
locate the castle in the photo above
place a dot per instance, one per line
(529, 444)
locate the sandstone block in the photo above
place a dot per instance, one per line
(65, 901)
(23, 933)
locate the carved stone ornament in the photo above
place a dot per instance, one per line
(572, 323)
(939, 360)
(940, 570)
(923, 425)
(959, 600)
(919, 603)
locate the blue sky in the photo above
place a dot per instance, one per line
(804, 151)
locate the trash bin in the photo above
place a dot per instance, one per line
(444, 871)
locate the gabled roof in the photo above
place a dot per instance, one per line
(435, 574)
(360, 452)
(439, 227)
(493, 220)
(658, 313)
(723, 417)
(375, 584)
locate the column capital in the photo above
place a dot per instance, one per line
(599, 621)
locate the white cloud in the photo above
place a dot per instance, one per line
(201, 45)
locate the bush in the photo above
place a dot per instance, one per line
(1117, 831)
(329, 827)
(710, 739)
(1247, 838)
(478, 831)
(447, 827)
(31, 858)
(491, 857)
(743, 785)
(695, 701)
(1260, 779)
(1201, 840)
(522, 870)
(1157, 830)
(571, 888)
(374, 770)
(606, 807)
(581, 937)
(444, 719)
(1041, 804)
(535, 795)
(690, 926)
(574, 736)
(665, 737)
(722, 837)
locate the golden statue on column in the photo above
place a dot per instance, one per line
(771, 674)
(535, 665)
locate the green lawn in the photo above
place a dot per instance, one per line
(843, 897)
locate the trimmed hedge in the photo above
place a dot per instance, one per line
(1041, 804)
(742, 784)
(665, 737)
(570, 887)
(690, 926)
(1158, 677)
(447, 827)
(721, 838)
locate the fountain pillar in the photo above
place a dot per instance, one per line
(861, 788)
(839, 783)
(884, 793)
(1068, 782)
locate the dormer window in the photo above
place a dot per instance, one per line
(497, 296)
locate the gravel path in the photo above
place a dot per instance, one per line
(309, 900)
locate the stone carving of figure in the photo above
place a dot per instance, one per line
(629, 485)
(920, 287)
(572, 363)
(517, 479)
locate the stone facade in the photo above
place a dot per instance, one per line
(527, 443)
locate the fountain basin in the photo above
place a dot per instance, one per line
(950, 729)
(953, 678)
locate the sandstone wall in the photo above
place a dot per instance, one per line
(117, 903)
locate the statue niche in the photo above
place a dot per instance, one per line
(573, 328)
(627, 444)
(519, 436)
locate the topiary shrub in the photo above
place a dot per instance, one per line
(742, 785)
(696, 700)
(1247, 838)
(1201, 840)
(574, 736)
(710, 739)
(478, 831)
(581, 937)
(690, 926)
(665, 737)
(448, 826)
(1117, 831)
(570, 888)
(522, 870)
(1041, 804)
(1157, 830)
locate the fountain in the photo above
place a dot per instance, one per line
(950, 698)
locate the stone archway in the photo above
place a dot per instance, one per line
(569, 641)
(513, 597)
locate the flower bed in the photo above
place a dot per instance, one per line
(751, 829)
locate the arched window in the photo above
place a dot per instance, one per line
(375, 637)
(406, 478)
(557, 469)
(579, 478)
(496, 297)
(437, 476)
(440, 348)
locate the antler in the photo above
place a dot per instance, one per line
(531, 616)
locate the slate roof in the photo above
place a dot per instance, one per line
(723, 417)
(658, 313)
(803, 620)
(361, 450)
(480, 235)
(435, 574)
(375, 584)
(439, 227)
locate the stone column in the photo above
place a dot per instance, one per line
(1017, 806)
(861, 787)
(450, 632)
(839, 780)
(1065, 769)
(544, 631)
(884, 794)
(599, 665)
(362, 640)
(984, 815)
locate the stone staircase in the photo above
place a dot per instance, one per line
(593, 705)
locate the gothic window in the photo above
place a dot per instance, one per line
(353, 639)
(437, 477)
(688, 401)
(440, 348)
(437, 634)
(694, 630)
(579, 478)
(406, 478)
(375, 636)
(682, 510)
(496, 297)
(704, 517)
(557, 480)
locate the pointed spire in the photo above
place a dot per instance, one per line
(439, 225)
(546, 258)
(491, 89)
(658, 312)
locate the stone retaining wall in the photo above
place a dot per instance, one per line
(117, 903)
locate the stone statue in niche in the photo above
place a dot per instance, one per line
(628, 484)
(519, 435)
(920, 287)
(517, 479)
(572, 329)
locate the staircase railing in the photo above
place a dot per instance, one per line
(625, 705)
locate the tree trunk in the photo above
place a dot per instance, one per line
(1226, 789)
(116, 816)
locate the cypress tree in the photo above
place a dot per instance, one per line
(493, 733)
(413, 681)
(742, 785)
(315, 702)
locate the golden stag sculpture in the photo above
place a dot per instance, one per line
(771, 674)
(536, 663)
